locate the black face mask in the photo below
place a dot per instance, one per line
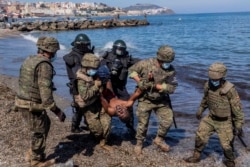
(84, 48)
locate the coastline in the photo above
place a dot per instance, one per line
(82, 150)
(8, 33)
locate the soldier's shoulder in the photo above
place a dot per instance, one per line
(106, 54)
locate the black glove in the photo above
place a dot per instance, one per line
(238, 132)
(59, 114)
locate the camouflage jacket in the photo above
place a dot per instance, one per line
(88, 92)
(160, 76)
(35, 82)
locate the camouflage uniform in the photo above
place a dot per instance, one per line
(153, 99)
(98, 120)
(223, 105)
(34, 95)
(225, 114)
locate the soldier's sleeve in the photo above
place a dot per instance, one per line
(87, 92)
(133, 60)
(236, 107)
(45, 76)
(204, 102)
(69, 59)
(135, 69)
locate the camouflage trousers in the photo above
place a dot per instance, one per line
(224, 130)
(39, 125)
(98, 120)
(164, 115)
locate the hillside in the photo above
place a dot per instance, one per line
(147, 7)
(142, 7)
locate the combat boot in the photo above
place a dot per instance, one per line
(28, 155)
(105, 146)
(76, 129)
(138, 147)
(229, 163)
(195, 158)
(35, 163)
(159, 142)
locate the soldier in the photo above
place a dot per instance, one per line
(118, 61)
(81, 45)
(155, 95)
(225, 114)
(89, 89)
(35, 96)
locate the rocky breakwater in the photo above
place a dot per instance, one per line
(75, 24)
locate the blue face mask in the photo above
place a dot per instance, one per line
(91, 72)
(165, 65)
(53, 58)
(215, 83)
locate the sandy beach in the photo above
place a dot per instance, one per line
(8, 33)
(83, 151)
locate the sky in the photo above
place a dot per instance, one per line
(178, 6)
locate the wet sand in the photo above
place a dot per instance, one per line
(8, 33)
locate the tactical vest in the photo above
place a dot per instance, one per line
(160, 76)
(125, 61)
(73, 63)
(28, 85)
(218, 101)
(80, 102)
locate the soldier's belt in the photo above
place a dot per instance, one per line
(32, 106)
(216, 118)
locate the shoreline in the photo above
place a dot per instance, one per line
(8, 33)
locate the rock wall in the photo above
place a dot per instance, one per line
(75, 25)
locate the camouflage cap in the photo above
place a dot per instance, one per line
(40, 41)
(50, 44)
(165, 53)
(90, 60)
(217, 71)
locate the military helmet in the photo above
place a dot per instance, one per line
(166, 54)
(119, 47)
(120, 43)
(40, 41)
(90, 60)
(217, 71)
(81, 39)
(49, 44)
